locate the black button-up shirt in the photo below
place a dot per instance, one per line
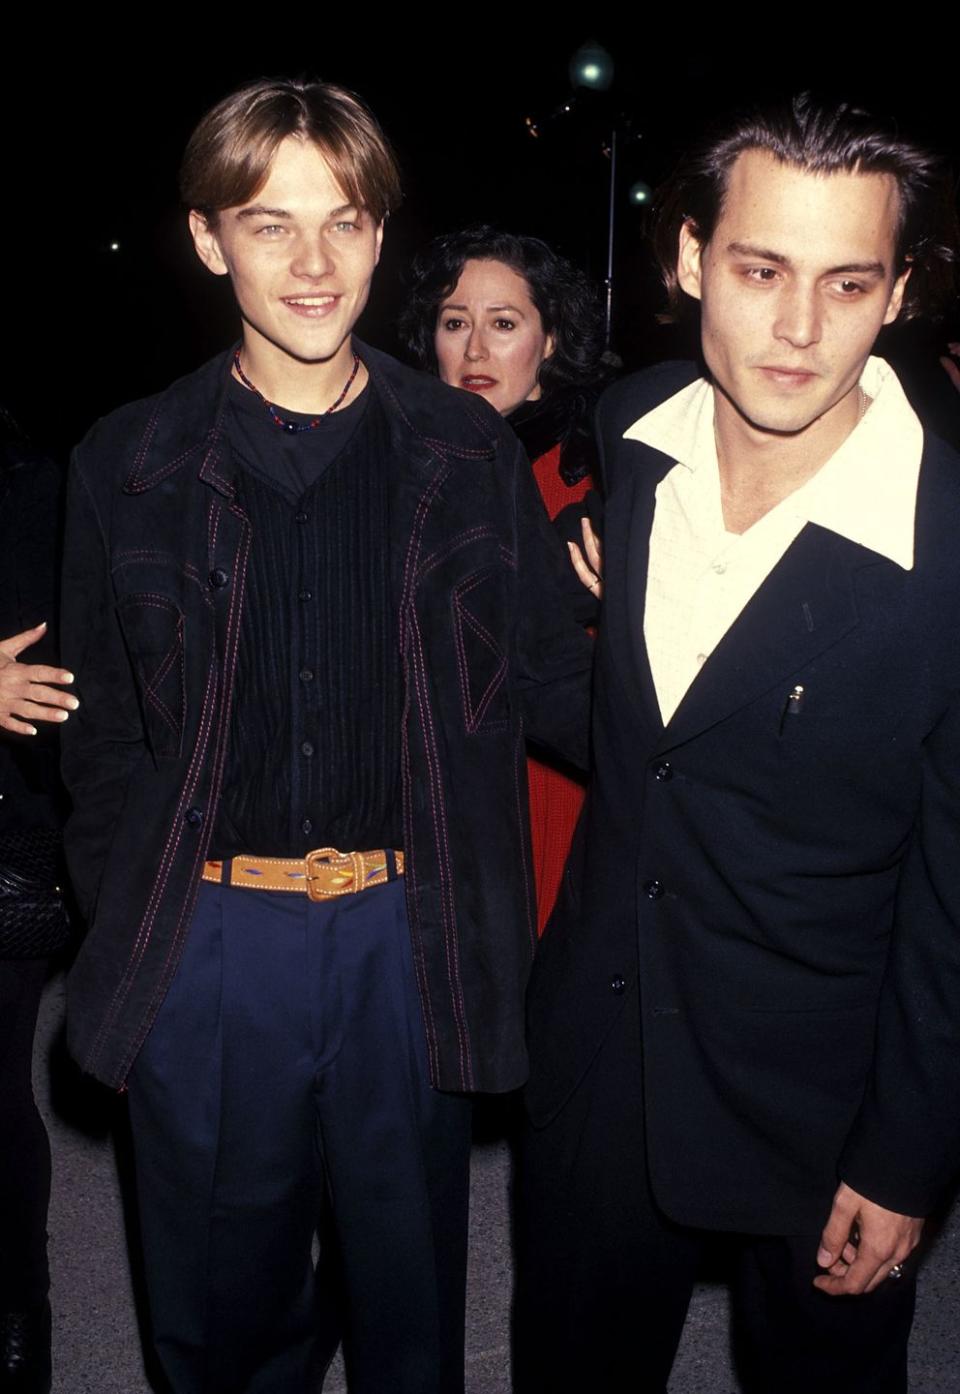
(314, 752)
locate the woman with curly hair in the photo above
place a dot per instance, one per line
(505, 317)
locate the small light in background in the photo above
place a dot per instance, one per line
(114, 246)
(591, 66)
(640, 193)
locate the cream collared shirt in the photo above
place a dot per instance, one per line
(700, 576)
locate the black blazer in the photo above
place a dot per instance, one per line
(783, 889)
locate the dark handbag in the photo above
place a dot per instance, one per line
(34, 921)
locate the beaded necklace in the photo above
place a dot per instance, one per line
(274, 414)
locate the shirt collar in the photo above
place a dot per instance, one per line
(871, 503)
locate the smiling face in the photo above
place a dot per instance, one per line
(489, 336)
(300, 258)
(794, 284)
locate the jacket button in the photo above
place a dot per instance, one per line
(653, 889)
(301, 517)
(218, 578)
(305, 675)
(194, 817)
(663, 771)
(618, 985)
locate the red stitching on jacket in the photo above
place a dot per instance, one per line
(462, 539)
(416, 940)
(444, 859)
(132, 556)
(186, 910)
(173, 837)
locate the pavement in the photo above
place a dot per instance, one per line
(96, 1289)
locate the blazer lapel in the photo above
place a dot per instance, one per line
(628, 518)
(804, 607)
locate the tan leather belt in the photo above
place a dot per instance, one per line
(320, 874)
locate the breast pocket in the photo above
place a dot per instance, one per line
(153, 629)
(479, 620)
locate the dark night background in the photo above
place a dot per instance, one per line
(94, 134)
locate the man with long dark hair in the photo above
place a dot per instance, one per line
(309, 603)
(745, 1016)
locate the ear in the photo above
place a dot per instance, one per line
(895, 302)
(549, 348)
(207, 243)
(379, 242)
(689, 257)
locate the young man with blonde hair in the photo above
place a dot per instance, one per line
(310, 608)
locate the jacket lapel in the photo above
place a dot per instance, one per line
(804, 607)
(628, 518)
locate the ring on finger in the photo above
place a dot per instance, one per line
(896, 1271)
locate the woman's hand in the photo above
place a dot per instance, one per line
(588, 564)
(25, 690)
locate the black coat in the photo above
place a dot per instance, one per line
(156, 552)
(783, 890)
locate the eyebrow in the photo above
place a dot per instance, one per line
(849, 268)
(260, 210)
(495, 309)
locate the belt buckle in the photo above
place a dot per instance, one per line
(331, 873)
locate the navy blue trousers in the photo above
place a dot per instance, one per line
(283, 1092)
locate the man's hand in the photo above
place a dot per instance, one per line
(590, 567)
(25, 690)
(861, 1243)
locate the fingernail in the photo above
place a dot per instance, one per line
(824, 1257)
(73, 704)
(31, 730)
(63, 716)
(66, 677)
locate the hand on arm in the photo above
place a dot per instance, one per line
(26, 694)
(861, 1243)
(588, 563)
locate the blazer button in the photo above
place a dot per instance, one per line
(653, 889)
(218, 578)
(663, 771)
(194, 817)
(618, 985)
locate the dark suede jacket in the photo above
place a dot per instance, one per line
(156, 553)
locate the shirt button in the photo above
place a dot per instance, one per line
(193, 817)
(663, 771)
(617, 985)
(306, 675)
(307, 748)
(306, 826)
(701, 659)
(300, 517)
(719, 567)
(305, 595)
(653, 889)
